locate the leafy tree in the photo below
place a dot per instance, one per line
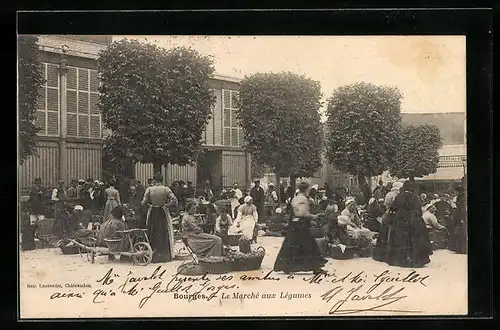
(257, 170)
(363, 130)
(418, 151)
(30, 82)
(279, 113)
(156, 102)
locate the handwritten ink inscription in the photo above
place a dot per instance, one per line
(343, 294)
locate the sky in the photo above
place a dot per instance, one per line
(428, 70)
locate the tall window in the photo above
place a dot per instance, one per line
(232, 132)
(84, 118)
(47, 115)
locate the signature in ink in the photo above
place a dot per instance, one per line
(381, 300)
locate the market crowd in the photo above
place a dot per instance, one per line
(399, 224)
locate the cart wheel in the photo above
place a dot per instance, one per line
(144, 259)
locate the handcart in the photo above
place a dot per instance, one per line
(133, 243)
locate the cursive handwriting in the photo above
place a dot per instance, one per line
(58, 295)
(384, 298)
(107, 279)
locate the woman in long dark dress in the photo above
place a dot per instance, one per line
(458, 224)
(408, 242)
(158, 222)
(299, 251)
(381, 246)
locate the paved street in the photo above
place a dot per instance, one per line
(438, 288)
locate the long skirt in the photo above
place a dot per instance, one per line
(380, 250)
(110, 205)
(458, 239)
(299, 251)
(160, 233)
(205, 244)
(408, 243)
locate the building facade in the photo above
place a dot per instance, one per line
(71, 129)
(223, 160)
(72, 132)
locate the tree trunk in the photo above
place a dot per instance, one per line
(365, 189)
(157, 167)
(293, 182)
(278, 187)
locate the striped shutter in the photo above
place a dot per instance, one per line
(226, 106)
(218, 119)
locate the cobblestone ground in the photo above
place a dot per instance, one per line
(443, 291)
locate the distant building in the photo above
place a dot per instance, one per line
(452, 162)
(452, 155)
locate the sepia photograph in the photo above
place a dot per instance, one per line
(238, 176)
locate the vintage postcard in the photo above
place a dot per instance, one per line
(236, 176)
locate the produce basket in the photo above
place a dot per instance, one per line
(250, 261)
(216, 265)
(231, 240)
(336, 252)
(114, 244)
(67, 247)
(70, 249)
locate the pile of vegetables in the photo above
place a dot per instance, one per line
(234, 255)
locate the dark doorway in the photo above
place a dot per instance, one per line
(209, 168)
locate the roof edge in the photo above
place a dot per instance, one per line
(219, 76)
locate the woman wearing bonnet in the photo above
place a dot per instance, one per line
(246, 219)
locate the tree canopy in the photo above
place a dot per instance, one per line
(418, 151)
(31, 80)
(156, 102)
(279, 114)
(363, 129)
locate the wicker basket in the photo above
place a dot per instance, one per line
(336, 252)
(251, 263)
(70, 249)
(215, 267)
(231, 240)
(114, 244)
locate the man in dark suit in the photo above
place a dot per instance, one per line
(257, 194)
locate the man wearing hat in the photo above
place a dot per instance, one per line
(79, 187)
(72, 192)
(59, 199)
(271, 196)
(236, 195)
(257, 194)
(37, 194)
(189, 190)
